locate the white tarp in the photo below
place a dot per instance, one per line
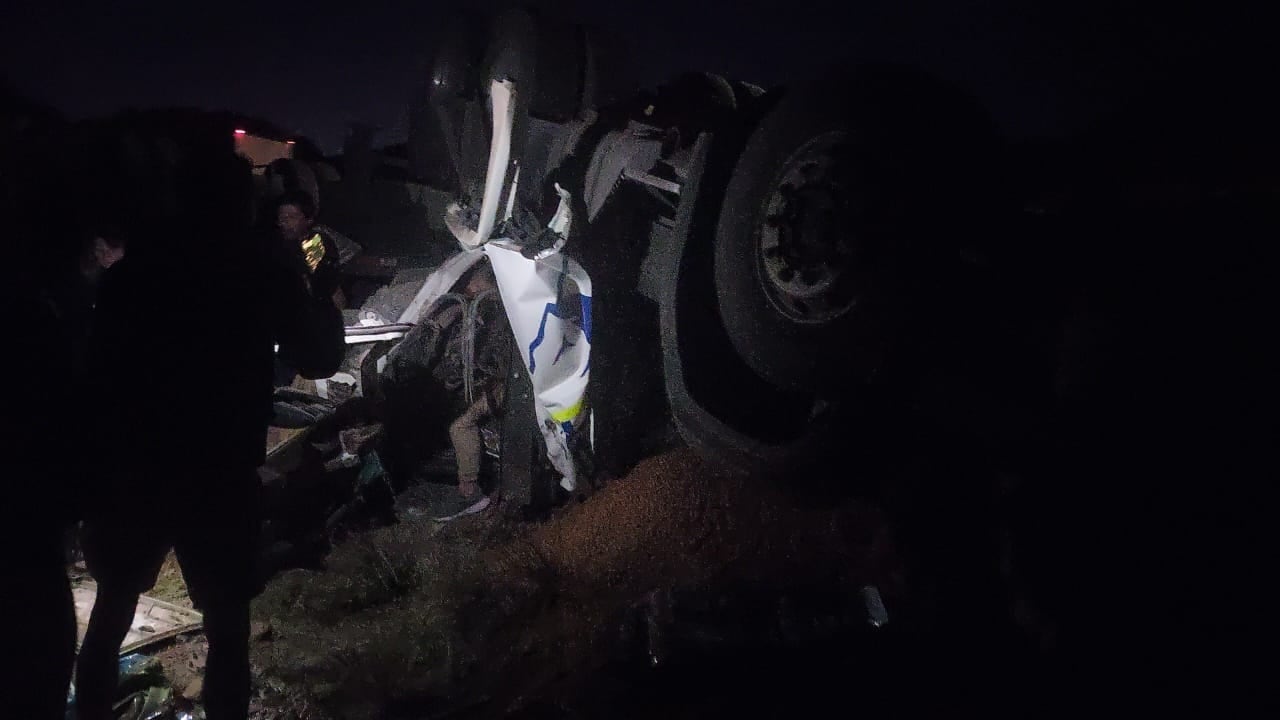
(555, 347)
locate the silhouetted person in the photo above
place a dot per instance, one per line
(35, 597)
(73, 296)
(181, 360)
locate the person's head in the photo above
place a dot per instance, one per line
(295, 214)
(108, 250)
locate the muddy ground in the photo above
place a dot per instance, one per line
(487, 616)
(675, 591)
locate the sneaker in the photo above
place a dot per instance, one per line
(457, 506)
(342, 462)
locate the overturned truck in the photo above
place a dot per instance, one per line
(746, 269)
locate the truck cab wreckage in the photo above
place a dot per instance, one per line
(707, 258)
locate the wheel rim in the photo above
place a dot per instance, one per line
(804, 245)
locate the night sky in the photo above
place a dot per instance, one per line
(313, 67)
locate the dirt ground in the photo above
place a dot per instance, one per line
(489, 617)
(170, 586)
(675, 591)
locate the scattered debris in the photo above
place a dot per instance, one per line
(154, 621)
(657, 620)
(137, 672)
(468, 507)
(877, 616)
(154, 703)
(297, 409)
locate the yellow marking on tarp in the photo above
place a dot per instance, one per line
(567, 414)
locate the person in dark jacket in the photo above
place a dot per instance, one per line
(39, 407)
(324, 250)
(181, 358)
(35, 512)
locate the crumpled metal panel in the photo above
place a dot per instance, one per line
(633, 149)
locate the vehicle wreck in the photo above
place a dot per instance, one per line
(636, 226)
(694, 384)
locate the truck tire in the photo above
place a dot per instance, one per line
(731, 416)
(833, 208)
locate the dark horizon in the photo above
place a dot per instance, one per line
(315, 68)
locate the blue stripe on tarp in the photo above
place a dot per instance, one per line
(550, 309)
(586, 315)
(563, 346)
(586, 328)
(554, 309)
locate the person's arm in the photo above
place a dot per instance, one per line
(346, 248)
